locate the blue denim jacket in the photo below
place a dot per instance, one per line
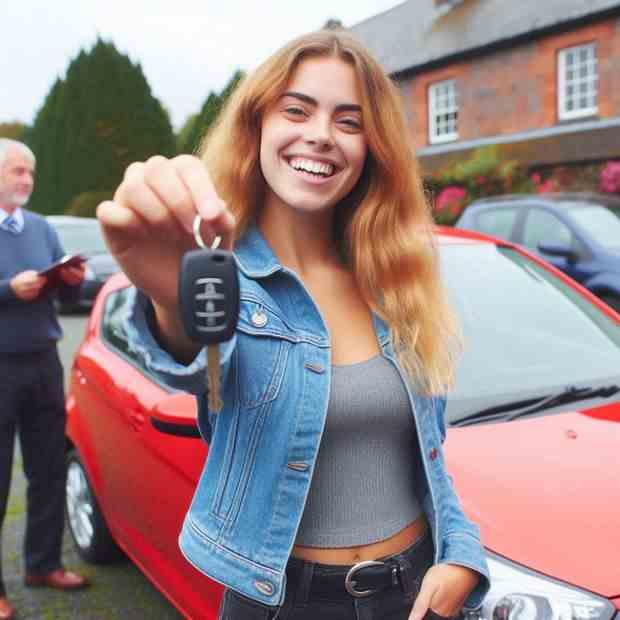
(275, 380)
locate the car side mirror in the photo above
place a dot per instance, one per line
(558, 249)
(176, 414)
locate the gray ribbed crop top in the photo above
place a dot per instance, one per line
(362, 489)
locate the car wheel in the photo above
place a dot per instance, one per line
(86, 523)
(612, 300)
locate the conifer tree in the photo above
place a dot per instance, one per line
(208, 113)
(93, 124)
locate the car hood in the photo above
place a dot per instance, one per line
(546, 492)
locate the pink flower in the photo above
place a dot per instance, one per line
(535, 178)
(610, 178)
(546, 187)
(451, 197)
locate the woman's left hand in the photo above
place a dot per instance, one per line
(444, 590)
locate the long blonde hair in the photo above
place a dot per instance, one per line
(384, 227)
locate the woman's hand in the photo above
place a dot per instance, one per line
(148, 227)
(148, 224)
(444, 590)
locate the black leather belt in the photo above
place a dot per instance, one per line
(404, 570)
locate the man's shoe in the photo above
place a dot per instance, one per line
(6, 611)
(59, 579)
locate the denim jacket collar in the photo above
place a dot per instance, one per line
(256, 260)
(254, 256)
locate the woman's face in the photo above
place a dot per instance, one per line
(313, 147)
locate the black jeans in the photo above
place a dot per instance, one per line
(33, 405)
(299, 604)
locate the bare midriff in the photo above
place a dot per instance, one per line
(351, 555)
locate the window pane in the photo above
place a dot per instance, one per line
(113, 321)
(600, 223)
(580, 69)
(497, 222)
(443, 108)
(563, 339)
(544, 227)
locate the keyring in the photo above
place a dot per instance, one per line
(198, 236)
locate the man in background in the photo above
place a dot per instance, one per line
(32, 401)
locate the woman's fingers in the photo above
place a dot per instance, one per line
(136, 193)
(167, 195)
(423, 600)
(207, 204)
(162, 178)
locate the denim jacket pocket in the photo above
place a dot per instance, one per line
(259, 372)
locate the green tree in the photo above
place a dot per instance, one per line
(92, 125)
(14, 130)
(184, 132)
(207, 115)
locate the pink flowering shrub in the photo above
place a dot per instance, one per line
(543, 187)
(610, 178)
(450, 204)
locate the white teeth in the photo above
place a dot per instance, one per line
(309, 165)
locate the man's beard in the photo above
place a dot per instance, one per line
(18, 199)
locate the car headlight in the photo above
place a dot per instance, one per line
(518, 593)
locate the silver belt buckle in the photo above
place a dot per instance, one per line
(349, 583)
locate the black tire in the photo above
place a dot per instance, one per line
(88, 528)
(612, 300)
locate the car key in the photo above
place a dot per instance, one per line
(209, 304)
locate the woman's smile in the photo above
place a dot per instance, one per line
(312, 170)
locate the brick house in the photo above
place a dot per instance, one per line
(539, 77)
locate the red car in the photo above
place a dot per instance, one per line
(533, 441)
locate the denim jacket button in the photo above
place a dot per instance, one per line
(264, 587)
(433, 454)
(259, 318)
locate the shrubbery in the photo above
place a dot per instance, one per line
(486, 173)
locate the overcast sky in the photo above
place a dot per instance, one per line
(186, 47)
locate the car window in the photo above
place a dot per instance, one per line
(525, 331)
(599, 223)
(498, 222)
(544, 227)
(114, 331)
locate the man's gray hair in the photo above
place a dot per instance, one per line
(6, 144)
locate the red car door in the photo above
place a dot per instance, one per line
(144, 478)
(167, 462)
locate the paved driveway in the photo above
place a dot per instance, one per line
(119, 591)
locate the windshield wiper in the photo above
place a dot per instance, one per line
(519, 408)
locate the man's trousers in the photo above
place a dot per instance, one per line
(32, 406)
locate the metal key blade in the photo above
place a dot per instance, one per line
(213, 378)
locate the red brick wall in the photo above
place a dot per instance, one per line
(516, 90)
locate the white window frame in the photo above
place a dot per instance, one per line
(450, 105)
(591, 80)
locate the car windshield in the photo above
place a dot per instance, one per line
(85, 238)
(600, 223)
(526, 333)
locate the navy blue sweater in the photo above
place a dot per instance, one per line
(27, 326)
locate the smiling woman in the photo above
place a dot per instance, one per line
(333, 383)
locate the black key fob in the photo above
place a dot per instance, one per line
(209, 295)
